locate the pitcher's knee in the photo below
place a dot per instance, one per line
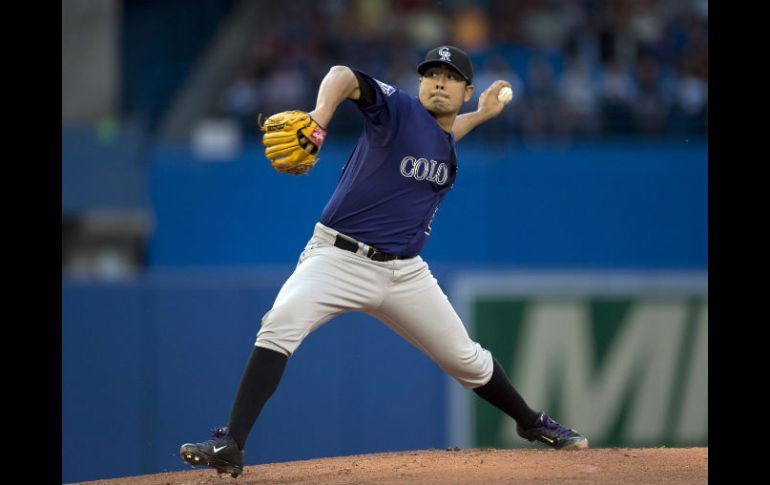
(282, 330)
(472, 369)
(276, 343)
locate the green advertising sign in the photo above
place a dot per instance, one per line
(625, 363)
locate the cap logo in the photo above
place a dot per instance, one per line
(445, 54)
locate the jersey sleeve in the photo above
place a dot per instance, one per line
(383, 106)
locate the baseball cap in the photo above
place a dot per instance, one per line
(451, 56)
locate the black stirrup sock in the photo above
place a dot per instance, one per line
(500, 393)
(260, 379)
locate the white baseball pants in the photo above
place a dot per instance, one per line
(403, 294)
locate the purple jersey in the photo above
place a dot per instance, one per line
(401, 168)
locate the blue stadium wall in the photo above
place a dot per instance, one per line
(611, 204)
(154, 361)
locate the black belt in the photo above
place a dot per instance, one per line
(344, 243)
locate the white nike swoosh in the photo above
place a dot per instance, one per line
(217, 450)
(547, 439)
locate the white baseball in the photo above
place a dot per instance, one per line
(505, 96)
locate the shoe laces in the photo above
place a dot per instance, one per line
(556, 427)
(219, 435)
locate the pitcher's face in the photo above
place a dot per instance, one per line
(443, 90)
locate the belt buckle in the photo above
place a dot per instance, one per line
(372, 253)
(385, 256)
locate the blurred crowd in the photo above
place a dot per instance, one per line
(578, 67)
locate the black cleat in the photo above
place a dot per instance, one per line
(548, 431)
(221, 452)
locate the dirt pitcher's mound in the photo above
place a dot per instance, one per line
(617, 466)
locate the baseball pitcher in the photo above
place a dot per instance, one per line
(364, 253)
